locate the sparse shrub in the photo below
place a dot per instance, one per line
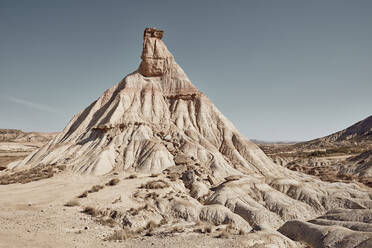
(163, 221)
(61, 167)
(203, 227)
(72, 203)
(223, 234)
(152, 195)
(149, 228)
(139, 230)
(34, 174)
(119, 235)
(83, 195)
(113, 214)
(177, 229)
(156, 184)
(113, 182)
(106, 222)
(135, 211)
(208, 229)
(95, 188)
(151, 225)
(90, 211)
(136, 194)
(173, 176)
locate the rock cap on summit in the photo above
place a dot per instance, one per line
(153, 32)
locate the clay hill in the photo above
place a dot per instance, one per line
(153, 163)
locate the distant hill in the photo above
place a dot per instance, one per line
(263, 142)
(9, 134)
(360, 132)
(15, 135)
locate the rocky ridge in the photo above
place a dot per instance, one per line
(360, 132)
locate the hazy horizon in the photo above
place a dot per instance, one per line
(279, 70)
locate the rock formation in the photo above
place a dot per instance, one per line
(156, 121)
(147, 121)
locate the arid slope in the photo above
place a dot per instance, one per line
(152, 156)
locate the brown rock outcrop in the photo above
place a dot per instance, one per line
(154, 54)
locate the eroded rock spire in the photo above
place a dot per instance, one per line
(155, 121)
(154, 54)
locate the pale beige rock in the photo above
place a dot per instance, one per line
(326, 236)
(130, 126)
(155, 121)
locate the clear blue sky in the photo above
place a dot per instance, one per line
(279, 70)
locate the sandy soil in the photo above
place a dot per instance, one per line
(34, 215)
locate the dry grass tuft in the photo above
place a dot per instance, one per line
(174, 176)
(223, 234)
(203, 227)
(177, 229)
(120, 235)
(72, 203)
(135, 211)
(83, 195)
(95, 188)
(152, 195)
(106, 222)
(90, 211)
(163, 221)
(132, 176)
(151, 225)
(154, 175)
(34, 174)
(229, 229)
(113, 182)
(156, 184)
(150, 228)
